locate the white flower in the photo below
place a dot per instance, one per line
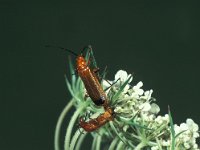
(137, 88)
(135, 115)
(189, 133)
(192, 126)
(118, 109)
(166, 118)
(146, 117)
(177, 129)
(133, 99)
(122, 76)
(159, 120)
(195, 146)
(183, 127)
(131, 102)
(145, 106)
(147, 95)
(106, 83)
(155, 109)
(187, 145)
(154, 148)
(166, 143)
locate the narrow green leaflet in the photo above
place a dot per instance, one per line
(135, 124)
(172, 131)
(115, 97)
(72, 72)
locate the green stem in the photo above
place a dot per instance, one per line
(74, 139)
(94, 142)
(80, 141)
(158, 143)
(98, 146)
(115, 130)
(120, 145)
(113, 144)
(140, 146)
(71, 124)
(71, 91)
(94, 61)
(59, 123)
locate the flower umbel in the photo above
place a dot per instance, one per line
(136, 123)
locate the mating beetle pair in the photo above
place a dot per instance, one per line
(94, 91)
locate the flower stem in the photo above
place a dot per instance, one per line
(71, 124)
(120, 145)
(98, 146)
(94, 142)
(74, 139)
(80, 141)
(113, 144)
(59, 123)
(115, 130)
(140, 146)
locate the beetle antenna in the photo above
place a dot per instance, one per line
(70, 51)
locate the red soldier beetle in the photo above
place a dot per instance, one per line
(89, 78)
(96, 123)
(94, 90)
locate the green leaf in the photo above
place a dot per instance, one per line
(172, 130)
(94, 63)
(103, 75)
(72, 72)
(87, 49)
(116, 96)
(115, 130)
(70, 89)
(137, 125)
(180, 133)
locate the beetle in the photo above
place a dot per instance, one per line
(91, 82)
(94, 91)
(89, 77)
(96, 123)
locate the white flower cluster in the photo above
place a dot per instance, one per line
(133, 98)
(136, 104)
(186, 135)
(189, 133)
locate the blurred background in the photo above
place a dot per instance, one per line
(157, 41)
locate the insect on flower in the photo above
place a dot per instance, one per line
(91, 82)
(89, 78)
(96, 123)
(94, 90)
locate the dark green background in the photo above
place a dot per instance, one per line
(158, 41)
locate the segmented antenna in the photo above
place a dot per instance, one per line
(70, 51)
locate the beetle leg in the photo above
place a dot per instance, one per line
(79, 127)
(111, 84)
